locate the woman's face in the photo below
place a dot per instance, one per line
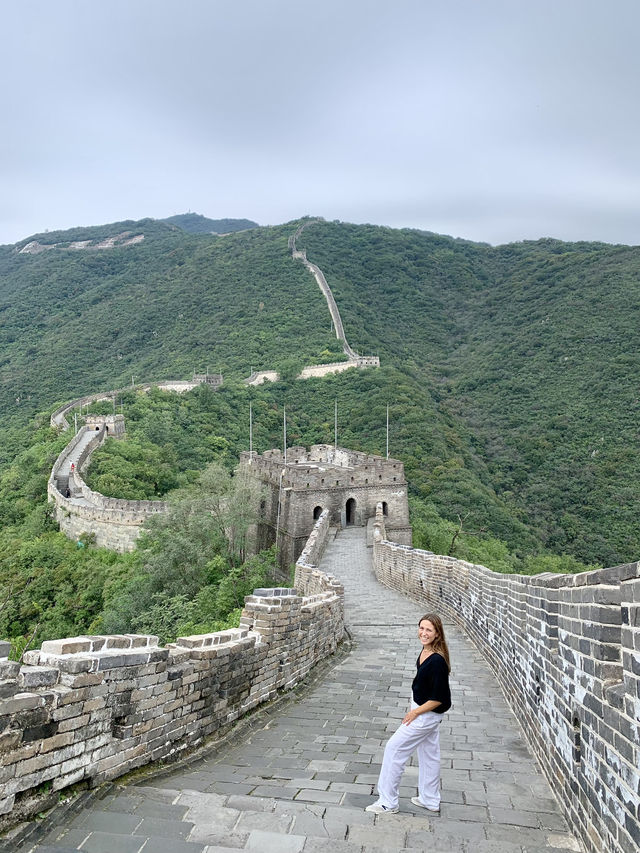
(426, 632)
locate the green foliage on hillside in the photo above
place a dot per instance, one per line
(195, 223)
(72, 322)
(190, 573)
(527, 351)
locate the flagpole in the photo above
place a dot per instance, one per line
(335, 426)
(285, 433)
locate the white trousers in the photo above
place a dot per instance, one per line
(423, 735)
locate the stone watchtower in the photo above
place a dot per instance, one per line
(347, 483)
(113, 425)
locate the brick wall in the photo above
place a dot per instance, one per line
(566, 650)
(92, 708)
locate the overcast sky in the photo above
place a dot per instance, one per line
(493, 120)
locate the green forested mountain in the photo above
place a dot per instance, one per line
(511, 374)
(531, 349)
(73, 321)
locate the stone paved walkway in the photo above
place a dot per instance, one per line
(301, 780)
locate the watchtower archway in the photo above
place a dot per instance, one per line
(317, 512)
(350, 512)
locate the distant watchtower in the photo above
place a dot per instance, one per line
(113, 425)
(347, 483)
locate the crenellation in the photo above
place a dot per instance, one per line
(565, 651)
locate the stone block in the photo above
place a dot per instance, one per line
(9, 669)
(70, 664)
(9, 740)
(69, 646)
(8, 688)
(84, 679)
(6, 804)
(20, 702)
(38, 676)
(5, 649)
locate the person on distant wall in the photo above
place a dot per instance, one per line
(420, 729)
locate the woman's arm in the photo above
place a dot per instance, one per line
(430, 705)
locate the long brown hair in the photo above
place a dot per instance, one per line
(439, 644)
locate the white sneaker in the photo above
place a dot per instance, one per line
(418, 802)
(378, 808)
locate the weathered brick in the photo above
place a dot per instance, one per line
(69, 646)
(38, 676)
(20, 702)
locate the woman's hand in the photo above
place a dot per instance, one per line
(410, 716)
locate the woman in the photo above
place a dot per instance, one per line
(420, 729)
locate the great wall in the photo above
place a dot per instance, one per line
(564, 648)
(116, 523)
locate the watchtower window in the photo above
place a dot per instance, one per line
(385, 508)
(317, 512)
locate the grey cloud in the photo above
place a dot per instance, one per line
(492, 121)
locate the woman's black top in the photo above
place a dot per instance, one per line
(432, 682)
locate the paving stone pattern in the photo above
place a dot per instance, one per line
(300, 782)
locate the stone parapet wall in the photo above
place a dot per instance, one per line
(338, 366)
(258, 377)
(566, 651)
(114, 522)
(89, 709)
(111, 533)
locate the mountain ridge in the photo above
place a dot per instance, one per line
(529, 384)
